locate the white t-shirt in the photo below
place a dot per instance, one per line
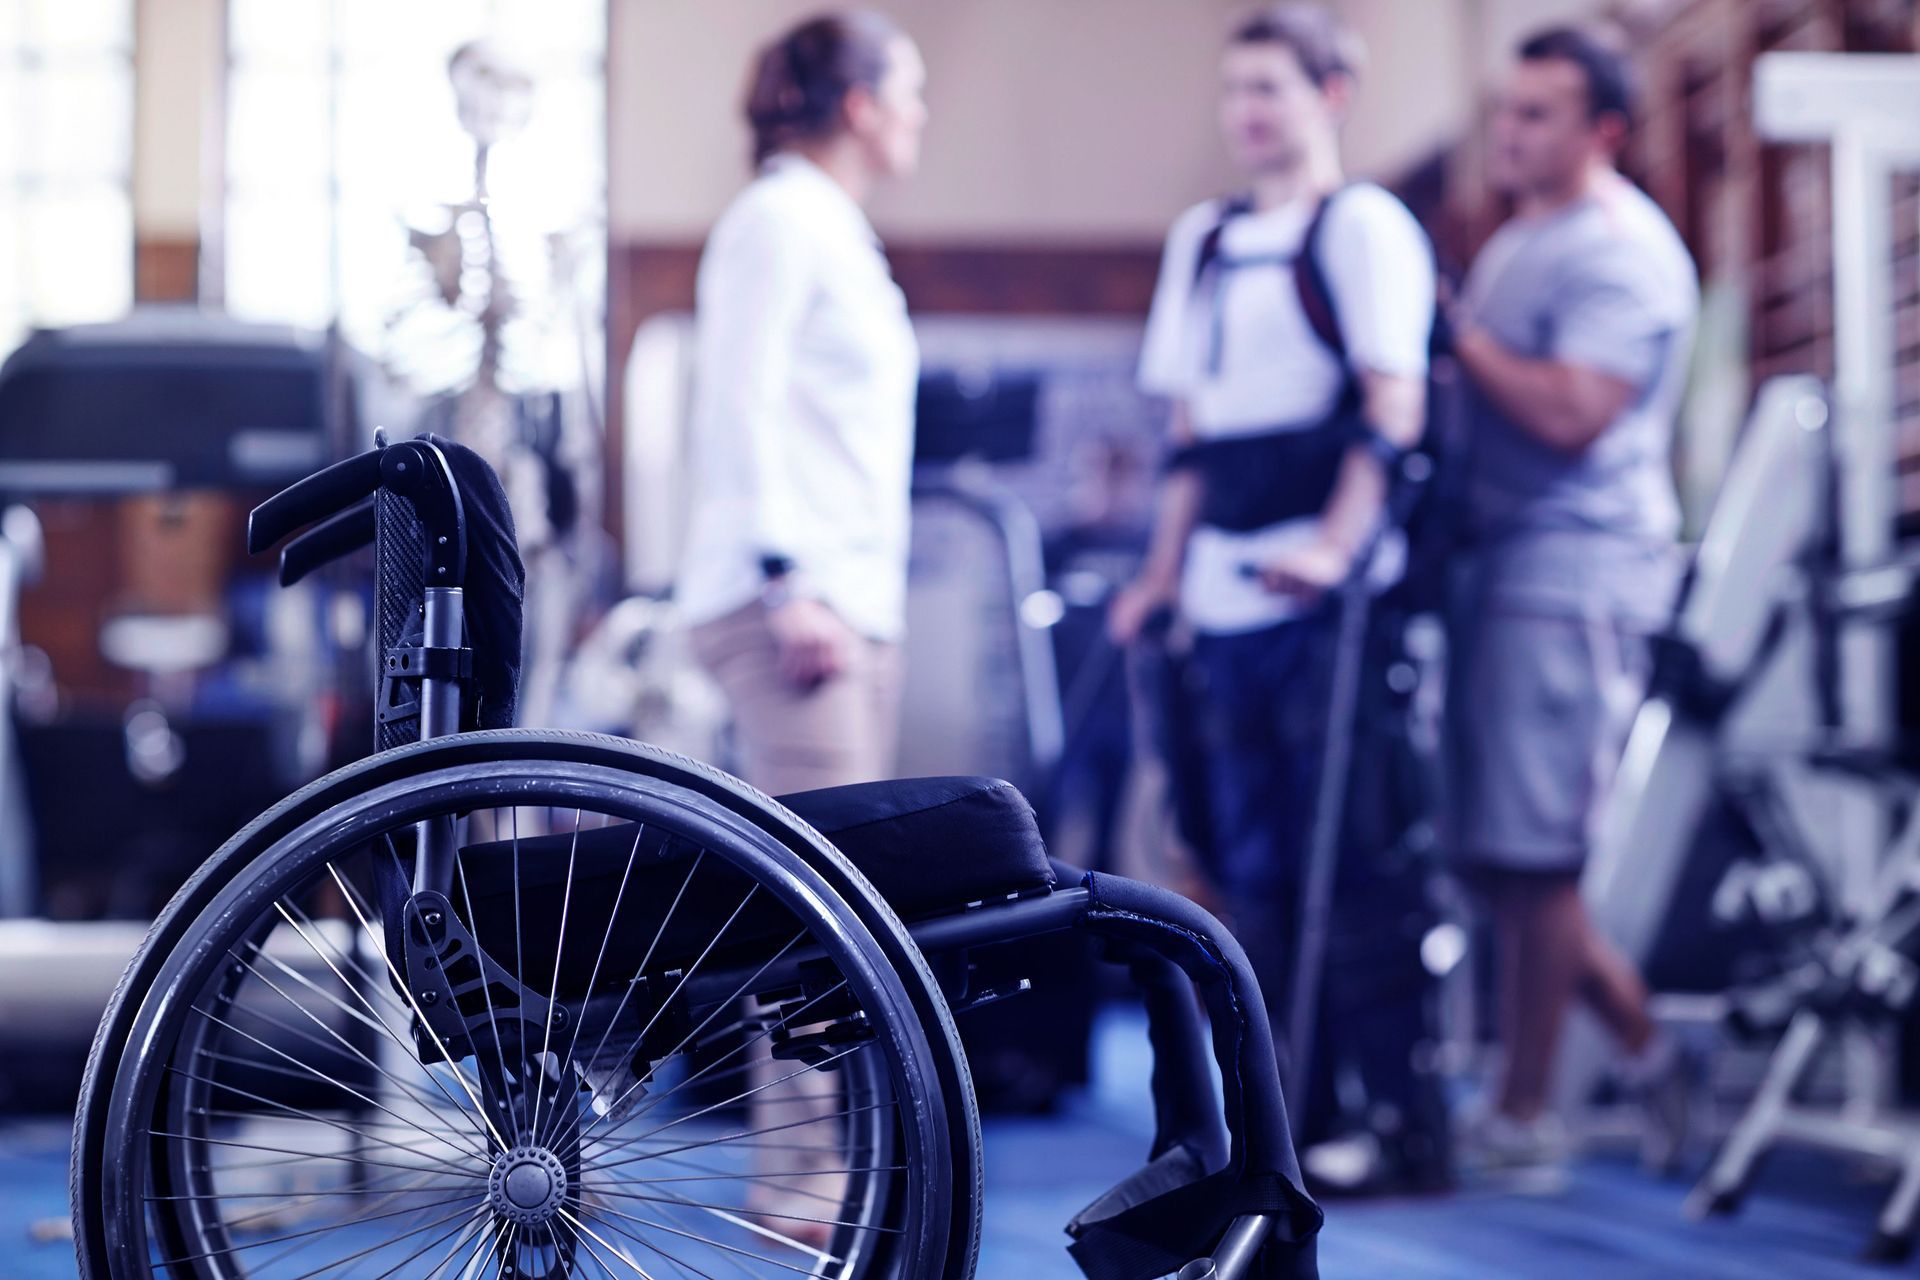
(1272, 372)
(803, 406)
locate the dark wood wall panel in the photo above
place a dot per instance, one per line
(654, 278)
(166, 270)
(651, 278)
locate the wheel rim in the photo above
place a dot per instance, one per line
(760, 1131)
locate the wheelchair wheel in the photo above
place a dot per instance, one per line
(664, 1030)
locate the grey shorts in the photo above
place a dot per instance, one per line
(1538, 713)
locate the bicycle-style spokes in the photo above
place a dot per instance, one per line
(609, 1048)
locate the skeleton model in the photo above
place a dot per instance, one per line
(496, 339)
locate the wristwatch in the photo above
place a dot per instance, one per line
(779, 585)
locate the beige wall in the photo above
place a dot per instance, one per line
(1054, 120)
(1415, 93)
(1087, 120)
(1431, 65)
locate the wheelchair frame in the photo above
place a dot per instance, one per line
(1220, 1196)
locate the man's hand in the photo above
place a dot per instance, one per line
(814, 644)
(1135, 603)
(1307, 571)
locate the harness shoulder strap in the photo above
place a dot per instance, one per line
(1230, 208)
(1408, 469)
(1310, 281)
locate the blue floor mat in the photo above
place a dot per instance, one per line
(1806, 1220)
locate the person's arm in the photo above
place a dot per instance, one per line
(1394, 405)
(1176, 512)
(1558, 403)
(751, 302)
(1612, 325)
(753, 293)
(1379, 270)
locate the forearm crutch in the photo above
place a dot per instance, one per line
(1353, 605)
(1409, 474)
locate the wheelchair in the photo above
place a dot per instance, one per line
(527, 1004)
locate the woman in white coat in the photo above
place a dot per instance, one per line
(794, 575)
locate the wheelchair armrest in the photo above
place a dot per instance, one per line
(1221, 1195)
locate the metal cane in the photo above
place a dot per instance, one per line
(1354, 603)
(1354, 600)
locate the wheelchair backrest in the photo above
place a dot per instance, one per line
(442, 532)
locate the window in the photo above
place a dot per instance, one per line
(341, 133)
(66, 163)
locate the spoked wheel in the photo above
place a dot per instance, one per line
(638, 1034)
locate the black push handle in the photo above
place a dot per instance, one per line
(339, 502)
(339, 535)
(320, 495)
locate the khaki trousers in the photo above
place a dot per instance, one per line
(791, 739)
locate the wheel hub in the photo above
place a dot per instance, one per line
(527, 1186)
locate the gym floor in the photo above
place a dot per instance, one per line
(1808, 1219)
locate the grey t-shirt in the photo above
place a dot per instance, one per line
(1605, 283)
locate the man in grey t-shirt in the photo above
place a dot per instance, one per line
(1574, 331)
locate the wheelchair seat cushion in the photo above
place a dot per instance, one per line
(931, 844)
(927, 844)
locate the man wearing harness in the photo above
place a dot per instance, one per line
(1289, 331)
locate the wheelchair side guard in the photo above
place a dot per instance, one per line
(460, 992)
(465, 1003)
(1211, 1177)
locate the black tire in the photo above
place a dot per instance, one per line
(1718, 1204)
(1886, 1249)
(633, 775)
